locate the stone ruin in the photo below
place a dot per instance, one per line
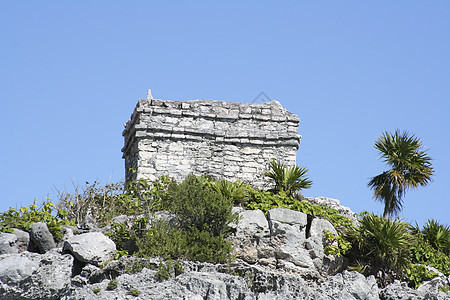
(228, 140)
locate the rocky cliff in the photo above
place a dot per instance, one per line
(280, 255)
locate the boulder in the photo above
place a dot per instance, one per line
(15, 268)
(251, 236)
(92, 247)
(433, 285)
(284, 215)
(41, 237)
(52, 278)
(32, 276)
(8, 243)
(251, 222)
(23, 240)
(288, 236)
(349, 285)
(400, 291)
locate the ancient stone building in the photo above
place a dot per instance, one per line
(204, 137)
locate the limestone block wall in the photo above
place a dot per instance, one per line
(227, 140)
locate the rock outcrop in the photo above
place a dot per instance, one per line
(280, 255)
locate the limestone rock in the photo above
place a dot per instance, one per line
(251, 236)
(8, 243)
(16, 267)
(93, 247)
(52, 278)
(23, 240)
(32, 276)
(433, 285)
(400, 291)
(41, 237)
(288, 235)
(284, 215)
(349, 285)
(335, 204)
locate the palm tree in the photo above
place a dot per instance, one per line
(287, 179)
(410, 167)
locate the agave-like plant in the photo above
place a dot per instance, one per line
(382, 245)
(410, 167)
(287, 179)
(233, 190)
(437, 235)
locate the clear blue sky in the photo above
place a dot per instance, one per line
(71, 73)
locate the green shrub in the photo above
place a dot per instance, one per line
(380, 246)
(437, 235)
(123, 232)
(236, 191)
(25, 216)
(341, 246)
(197, 205)
(418, 274)
(104, 203)
(171, 242)
(428, 250)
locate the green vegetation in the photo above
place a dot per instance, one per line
(25, 216)
(134, 292)
(200, 212)
(112, 285)
(410, 167)
(391, 249)
(201, 216)
(168, 270)
(417, 274)
(287, 179)
(437, 235)
(380, 246)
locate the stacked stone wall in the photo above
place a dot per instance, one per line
(227, 140)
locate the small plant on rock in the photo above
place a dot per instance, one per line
(134, 292)
(112, 285)
(287, 179)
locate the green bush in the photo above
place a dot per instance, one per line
(104, 203)
(197, 205)
(417, 274)
(437, 235)
(428, 249)
(236, 191)
(25, 216)
(171, 242)
(380, 247)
